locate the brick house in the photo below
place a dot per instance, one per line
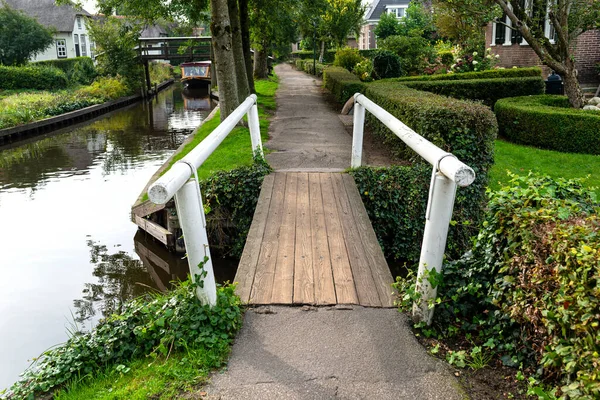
(514, 50)
(367, 39)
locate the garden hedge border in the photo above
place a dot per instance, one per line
(40, 78)
(489, 91)
(548, 122)
(489, 74)
(342, 83)
(464, 128)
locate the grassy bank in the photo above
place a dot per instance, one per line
(521, 159)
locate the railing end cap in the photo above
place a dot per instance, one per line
(254, 97)
(464, 176)
(158, 194)
(357, 95)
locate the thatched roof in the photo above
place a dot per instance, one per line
(49, 14)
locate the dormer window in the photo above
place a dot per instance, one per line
(79, 22)
(399, 12)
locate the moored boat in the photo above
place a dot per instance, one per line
(195, 74)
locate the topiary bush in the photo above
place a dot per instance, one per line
(489, 91)
(299, 63)
(308, 68)
(466, 129)
(489, 74)
(386, 65)
(413, 52)
(548, 122)
(342, 83)
(530, 287)
(40, 78)
(347, 58)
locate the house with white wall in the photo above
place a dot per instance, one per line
(375, 10)
(71, 38)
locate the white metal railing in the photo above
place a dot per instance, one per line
(448, 172)
(188, 199)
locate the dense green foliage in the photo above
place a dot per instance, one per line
(342, 83)
(548, 122)
(529, 289)
(463, 128)
(21, 36)
(329, 55)
(160, 72)
(489, 74)
(347, 58)
(78, 70)
(41, 78)
(231, 197)
(386, 64)
(412, 51)
(387, 26)
(486, 90)
(170, 322)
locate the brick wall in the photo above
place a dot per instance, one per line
(587, 54)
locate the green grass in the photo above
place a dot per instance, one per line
(520, 160)
(149, 378)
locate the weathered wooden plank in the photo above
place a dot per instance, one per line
(304, 290)
(340, 264)
(153, 258)
(262, 288)
(321, 260)
(363, 279)
(153, 229)
(375, 258)
(249, 259)
(283, 286)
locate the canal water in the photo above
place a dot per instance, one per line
(69, 252)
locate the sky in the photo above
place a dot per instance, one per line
(89, 6)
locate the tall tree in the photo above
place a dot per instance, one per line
(568, 18)
(387, 26)
(21, 37)
(245, 26)
(238, 50)
(342, 18)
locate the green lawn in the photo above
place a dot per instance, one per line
(522, 159)
(149, 378)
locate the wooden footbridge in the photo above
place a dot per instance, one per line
(311, 242)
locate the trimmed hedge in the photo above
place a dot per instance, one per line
(464, 128)
(342, 83)
(329, 54)
(308, 68)
(548, 122)
(41, 78)
(489, 74)
(80, 69)
(489, 91)
(299, 63)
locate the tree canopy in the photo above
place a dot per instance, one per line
(21, 37)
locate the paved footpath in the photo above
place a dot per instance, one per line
(342, 352)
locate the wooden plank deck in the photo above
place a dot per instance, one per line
(311, 242)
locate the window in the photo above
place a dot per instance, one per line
(83, 46)
(399, 12)
(500, 31)
(92, 48)
(76, 41)
(61, 48)
(79, 22)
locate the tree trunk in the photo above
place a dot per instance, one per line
(322, 55)
(238, 51)
(572, 88)
(245, 27)
(261, 68)
(221, 41)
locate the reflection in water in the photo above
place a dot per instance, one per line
(57, 192)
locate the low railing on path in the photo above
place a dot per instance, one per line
(448, 172)
(188, 199)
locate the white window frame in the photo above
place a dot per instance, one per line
(61, 48)
(83, 45)
(79, 22)
(394, 10)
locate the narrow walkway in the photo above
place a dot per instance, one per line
(342, 351)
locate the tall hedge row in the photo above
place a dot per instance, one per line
(464, 128)
(548, 122)
(489, 91)
(40, 78)
(489, 74)
(342, 83)
(78, 70)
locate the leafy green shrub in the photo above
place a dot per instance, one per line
(105, 88)
(486, 90)
(231, 197)
(463, 128)
(328, 56)
(342, 83)
(160, 72)
(548, 122)
(364, 70)
(347, 58)
(70, 105)
(40, 78)
(414, 51)
(386, 65)
(529, 287)
(368, 53)
(446, 57)
(308, 68)
(173, 321)
(494, 73)
(300, 64)
(78, 70)
(475, 62)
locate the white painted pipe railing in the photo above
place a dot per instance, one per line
(448, 172)
(188, 199)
